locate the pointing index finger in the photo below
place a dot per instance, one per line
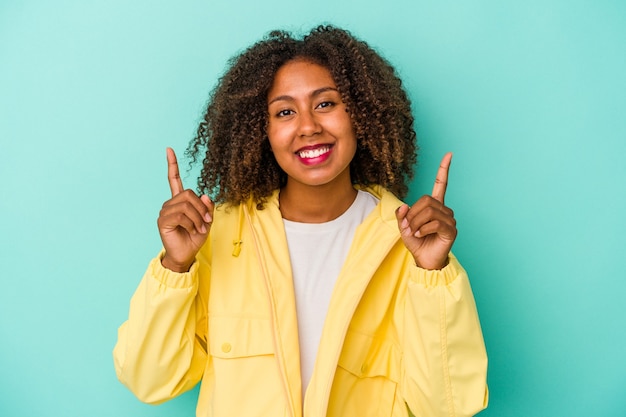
(173, 175)
(441, 181)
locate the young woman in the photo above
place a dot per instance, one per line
(303, 286)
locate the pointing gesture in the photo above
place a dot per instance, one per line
(173, 175)
(428, 228)
(184, 221)
(441, 181)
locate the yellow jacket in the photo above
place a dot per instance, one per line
(395, 335)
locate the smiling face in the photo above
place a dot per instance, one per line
(309, 129)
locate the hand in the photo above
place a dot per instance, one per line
(428, 228)
(184, 221)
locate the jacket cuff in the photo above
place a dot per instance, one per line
(171, 279)
(433, 278)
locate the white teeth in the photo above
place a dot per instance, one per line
(314, 153)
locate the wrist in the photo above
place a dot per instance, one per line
(178, 267)
(432, 266)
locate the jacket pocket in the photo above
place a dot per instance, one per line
(366, 378)
(240, 337)
(246, 375)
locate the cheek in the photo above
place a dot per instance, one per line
(345, 125)
(271, 137)
(275, 135)
(349, 133)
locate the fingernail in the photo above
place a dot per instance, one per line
(203, 229)
(207, 218)
(405, 223)
(417, 234)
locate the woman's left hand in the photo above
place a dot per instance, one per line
(428, 228)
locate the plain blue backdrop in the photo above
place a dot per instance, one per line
(530, 96)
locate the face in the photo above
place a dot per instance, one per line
(309, 129)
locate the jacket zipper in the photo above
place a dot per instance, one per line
(277, 344)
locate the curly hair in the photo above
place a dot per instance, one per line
(238, 163)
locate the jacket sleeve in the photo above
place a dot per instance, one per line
(445, 361)
(161, 349)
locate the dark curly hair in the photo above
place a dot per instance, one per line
(238, 163)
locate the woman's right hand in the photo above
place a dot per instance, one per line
(184, 221)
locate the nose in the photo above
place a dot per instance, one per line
(308, 124)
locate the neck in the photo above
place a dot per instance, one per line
(318, 204)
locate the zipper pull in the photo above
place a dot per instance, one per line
(237, 247)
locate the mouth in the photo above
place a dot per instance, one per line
(313, 152)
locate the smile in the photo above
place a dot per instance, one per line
(313, 153)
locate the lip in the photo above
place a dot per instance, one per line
(315, 154)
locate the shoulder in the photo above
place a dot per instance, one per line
(252, 206)
(388, 201)
(229, 215)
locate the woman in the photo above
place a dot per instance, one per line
(303, 285)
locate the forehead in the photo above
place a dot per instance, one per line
(299, 77)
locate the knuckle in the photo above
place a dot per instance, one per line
(166, 204)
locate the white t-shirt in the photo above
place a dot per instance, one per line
(317, 252)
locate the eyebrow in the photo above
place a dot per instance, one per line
(313, 94)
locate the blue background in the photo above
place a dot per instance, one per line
(530, 96)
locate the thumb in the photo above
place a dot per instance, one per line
(403, 223)
(210, 207)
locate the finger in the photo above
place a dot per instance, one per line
(171, 221)
(439, 227)
(190, 211)
(431, 215)
(202, 204)
(173, 175)
(441, 180)
(426, 202)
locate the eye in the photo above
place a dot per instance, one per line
(325, 104)
(285, 112)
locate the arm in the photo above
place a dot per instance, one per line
(161, 348)
(444, 353)
(445, 361)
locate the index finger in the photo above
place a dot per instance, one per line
(173, 176)
(441, 181)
